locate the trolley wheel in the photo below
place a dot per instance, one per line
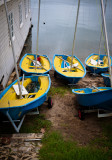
(81, 114)
(55, 74)
(50, 104)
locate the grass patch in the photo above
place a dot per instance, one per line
(104, 142)
(58, 90)
(33, 124)
(56, 148)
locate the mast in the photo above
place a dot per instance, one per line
(73, 47)
(106, 38)
(102, 28)
(9, 28)
(38, 28)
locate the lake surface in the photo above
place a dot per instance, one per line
(59, 16)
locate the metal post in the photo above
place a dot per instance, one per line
(13, 123)
(106, 38)
(75, 33)
(38, 27)
(102, 27)
(9, 28)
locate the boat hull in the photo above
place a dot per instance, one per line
(96, 69)
(99, 99)
(70, 79)
(30, 72)
(106, 79)
(17, 112)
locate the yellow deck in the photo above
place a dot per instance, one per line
(76, 73)
(96, 57)
(26, 64)
(10, 99)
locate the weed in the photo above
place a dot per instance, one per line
(56, 148)
(58, 90)
(33, 124)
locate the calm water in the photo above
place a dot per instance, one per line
(56, 35)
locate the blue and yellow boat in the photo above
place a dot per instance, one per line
(35, 64)
(97, 63)
(100, 97)
(62, 66)
(36, 89)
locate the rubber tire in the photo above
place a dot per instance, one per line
(50, 104)
(55, 74)
(81, 114)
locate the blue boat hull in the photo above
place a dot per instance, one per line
(106, 79)
(97, 70)
(94, 69)
(99, 99)
(71, 80)
(18, 112)
(30, 73)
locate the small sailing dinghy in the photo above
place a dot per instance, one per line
(24, 94)
(34, 93)
(35, 64)
(97, 63)
(62, 66)
(100, 97)
(69, 67)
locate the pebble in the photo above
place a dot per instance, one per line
(19, 149)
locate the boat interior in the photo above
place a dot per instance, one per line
(30, 65)
(35, 88)
(98, 61)
(63, 65)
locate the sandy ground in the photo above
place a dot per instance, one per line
(64, 113)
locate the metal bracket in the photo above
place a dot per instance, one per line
(100, 115)
(106, 114)
(13, 122)
(17, 128)
(33, 112)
